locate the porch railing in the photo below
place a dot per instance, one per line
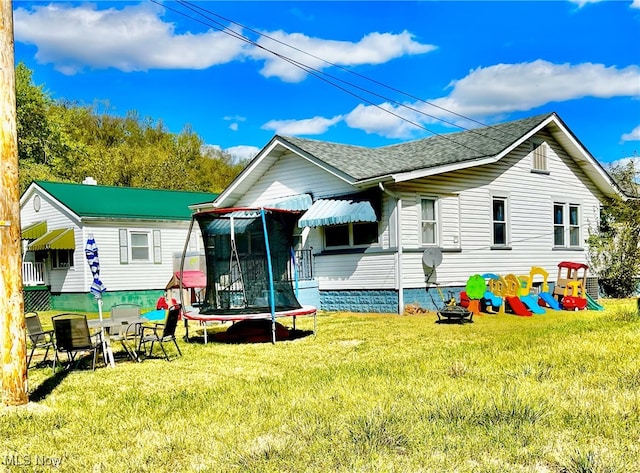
(304, 264)
(33, 274)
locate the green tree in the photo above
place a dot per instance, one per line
(614, 247)
(60, 140)
(33, 128)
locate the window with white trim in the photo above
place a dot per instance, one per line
(61, 259)
(428, 221)
(566, 225)
(539, 157)
(499, 221)
(351, 235)
(140, 246)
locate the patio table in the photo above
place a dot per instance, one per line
(108, 323)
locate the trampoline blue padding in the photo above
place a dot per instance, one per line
(158, 314)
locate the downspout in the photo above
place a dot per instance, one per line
(398, 226)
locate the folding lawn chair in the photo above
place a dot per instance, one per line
(38, 337)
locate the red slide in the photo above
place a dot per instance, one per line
(517, 306)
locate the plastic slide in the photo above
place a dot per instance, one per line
(491, 299)
(517, 306)
(531, 302)
(550, 300)
(592, 304)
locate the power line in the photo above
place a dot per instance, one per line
(362, 76)
(323, 75)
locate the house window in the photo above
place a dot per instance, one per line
(566, 221)
(351, 235)
(539, 157)
(499, 221)
(140, 246)
(428, 219)
(61, 259)
(574, 225)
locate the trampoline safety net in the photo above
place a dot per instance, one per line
(236, 260)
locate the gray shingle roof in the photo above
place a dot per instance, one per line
(366, 163)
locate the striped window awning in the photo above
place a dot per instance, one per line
(295, 203)
(326, 212)
(34, 230)
(239, 221)
(59, 239)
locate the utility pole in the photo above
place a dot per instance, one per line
(13, 348)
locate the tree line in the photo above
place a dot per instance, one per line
(60, 140)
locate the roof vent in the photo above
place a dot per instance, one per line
(90, 181)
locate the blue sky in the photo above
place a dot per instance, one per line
(363, 65)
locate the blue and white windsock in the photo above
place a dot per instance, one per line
(91, 250)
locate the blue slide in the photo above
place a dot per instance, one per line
(550, 300)
(532, 304)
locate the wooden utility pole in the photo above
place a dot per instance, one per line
(12, 330)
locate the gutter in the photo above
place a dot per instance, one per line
(398, 226)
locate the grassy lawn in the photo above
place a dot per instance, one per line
(553, 393)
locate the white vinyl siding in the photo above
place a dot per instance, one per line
(292, 175)
(529, 212)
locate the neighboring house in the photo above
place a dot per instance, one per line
(140, 234)
(498, 199)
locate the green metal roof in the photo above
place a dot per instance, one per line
(125, 202)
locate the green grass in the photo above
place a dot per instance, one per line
(553, 393)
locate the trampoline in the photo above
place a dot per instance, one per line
(250, 266)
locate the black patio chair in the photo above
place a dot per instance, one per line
(162, 333)
(72, 337)
(38, 337)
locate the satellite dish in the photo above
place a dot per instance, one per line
(431, 259)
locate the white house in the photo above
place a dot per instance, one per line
(140, 234)
(498, 199)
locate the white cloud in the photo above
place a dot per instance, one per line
(242, 152)
(634, 135)
(233, 126)
(374, 48)
(509, 87)
(235, 118)
(502, 89)
(237, 153)
(383, 120)
(582, 3)
(635, 4)
(308, 126)
(133, 38)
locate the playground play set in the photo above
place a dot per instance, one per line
(520, 295)
(527, 295)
